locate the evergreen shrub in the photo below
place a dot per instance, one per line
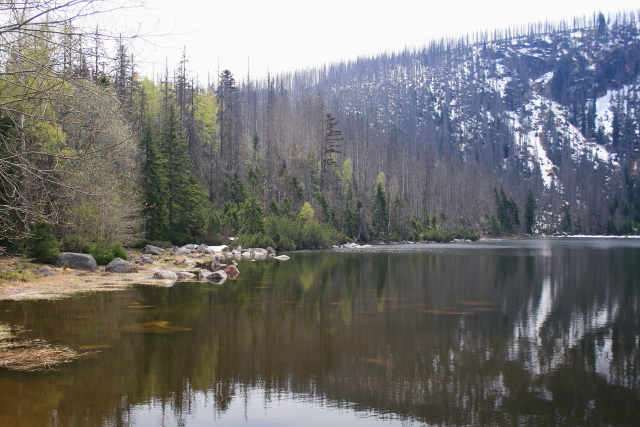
(104, 253)
(255, 240)
(43, 245)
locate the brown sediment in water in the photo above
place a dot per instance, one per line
(159, 327)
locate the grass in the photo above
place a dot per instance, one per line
(18, 354)
(18, 281)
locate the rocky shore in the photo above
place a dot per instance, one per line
(74, 273)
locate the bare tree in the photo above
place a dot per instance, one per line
(40, 46)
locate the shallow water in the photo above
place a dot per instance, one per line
(539, 332)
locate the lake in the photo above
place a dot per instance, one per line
(527, 332)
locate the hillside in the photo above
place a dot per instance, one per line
(553, 110)
(533, 130)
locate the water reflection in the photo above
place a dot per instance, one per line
(536, 333)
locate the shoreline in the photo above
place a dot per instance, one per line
(66, 283)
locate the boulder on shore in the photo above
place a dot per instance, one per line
(165, 275)
(204, 249)
(153, 250)
(231, 271)
(217, 277)
(77, 261)
(119, 265)
(184, 275)
(181, 251)
(203, 274)
(45, 271)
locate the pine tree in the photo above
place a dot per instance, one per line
(184, 192)
(380, 215)
(529, 211)
(155, 187)
(506, 212)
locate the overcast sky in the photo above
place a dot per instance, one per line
(285, 35)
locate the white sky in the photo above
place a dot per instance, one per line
(284, 35)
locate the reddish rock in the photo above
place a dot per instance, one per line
(232, 271)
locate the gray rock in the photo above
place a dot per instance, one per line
(204, 249)
(77, 261)
(165, 283)
(217, 276)
(120, 266)
(255, 251)
(184, 275)
(154, 250)
(45, 271)
(181, 251)
(203, 274)
(165, 275)
(190, 246)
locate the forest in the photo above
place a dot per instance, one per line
(525, 131)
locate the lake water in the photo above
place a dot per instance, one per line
(537, 332)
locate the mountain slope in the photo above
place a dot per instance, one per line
(557, 111)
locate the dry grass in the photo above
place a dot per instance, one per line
(21, 283)
(18, 354)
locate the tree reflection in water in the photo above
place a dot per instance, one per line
(536, 332)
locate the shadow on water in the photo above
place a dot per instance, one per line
(535, 333)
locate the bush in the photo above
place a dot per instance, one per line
(465, 233)
(436, 235)
(104, 254)
(43, 245)
(140, 244)
(291, 233)
(103, 251)
(256, 240)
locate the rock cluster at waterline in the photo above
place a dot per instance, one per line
(167, 266)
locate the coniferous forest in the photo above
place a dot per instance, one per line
(526, 131)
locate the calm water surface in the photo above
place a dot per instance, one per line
(540, 332)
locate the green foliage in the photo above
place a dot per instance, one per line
(565, 223)
(466, 234)
(290, 233)
(352, 220)
(255, 240)
(380, 220)
(327, 213)
(158, 243)
(306, 212)
(104, 253)
(506, 213)
(102, 250)
(43, 245)
(213, 225)
(529, 211)
(624, 213)
(235, 190)
(250, 216)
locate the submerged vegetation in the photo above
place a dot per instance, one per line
(20, 354)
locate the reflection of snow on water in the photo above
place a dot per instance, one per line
(533, 327)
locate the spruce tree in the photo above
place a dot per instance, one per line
(529, 211)
(184, 193)
(380, 215)
(155, 187)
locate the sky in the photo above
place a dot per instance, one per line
(273, 36)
